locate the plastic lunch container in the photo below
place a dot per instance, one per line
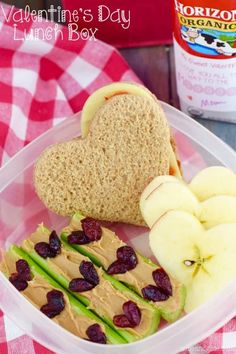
(21, 211)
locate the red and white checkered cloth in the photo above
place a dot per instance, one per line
(41, 83)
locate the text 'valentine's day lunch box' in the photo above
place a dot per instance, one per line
(21, 211)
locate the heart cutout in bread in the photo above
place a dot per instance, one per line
(103, 173)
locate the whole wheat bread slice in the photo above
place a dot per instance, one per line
(103, 175)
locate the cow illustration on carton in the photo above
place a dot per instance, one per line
(196, 36)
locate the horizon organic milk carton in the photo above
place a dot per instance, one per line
(205, 57)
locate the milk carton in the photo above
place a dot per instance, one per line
(205, 56)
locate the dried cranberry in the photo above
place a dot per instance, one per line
(55, 298)
(54, 244)
(55, 305)
(154, 293)
(132, 312)
(78, 238)
(126, 260)
(49, 311)
(89, 272)
(80, 285)
(162, 280)
(92, 229)
(131, 317)
(22, 276)
(51, 249)
(95, 334)
(127, 255)
(117, 267)
(122, 321)
(19, 283)
(43, 249)
(23, 270)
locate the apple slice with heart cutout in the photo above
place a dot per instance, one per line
(203, 260)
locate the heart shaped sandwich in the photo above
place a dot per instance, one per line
(125, 143)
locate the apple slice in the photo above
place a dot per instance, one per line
(212, 181)
(166, 193)
(203, 260)
(154, 184)
(218, 210)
